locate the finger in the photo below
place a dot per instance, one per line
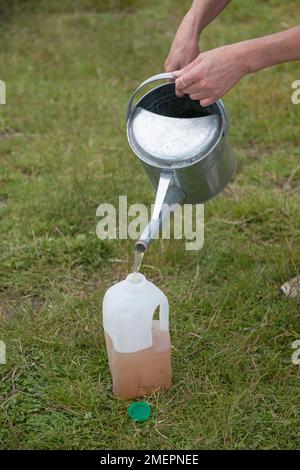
(187, 68)
(195, 88)
(192, 76)
(177, 73)
(208, 101)
(179, 93)
(199, 96)
(181, 83)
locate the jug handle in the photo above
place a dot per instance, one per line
(154, 78)
(164, 314)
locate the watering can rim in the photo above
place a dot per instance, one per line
(174, 164)
(162, 161)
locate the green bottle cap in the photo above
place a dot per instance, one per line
(139, 411)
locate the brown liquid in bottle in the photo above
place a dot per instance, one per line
(141, 373)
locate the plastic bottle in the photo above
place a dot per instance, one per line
(138, 347)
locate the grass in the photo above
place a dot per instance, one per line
(69, 68)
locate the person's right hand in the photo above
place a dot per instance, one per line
(185, 47)
(213, 73)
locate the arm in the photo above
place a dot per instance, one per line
(185, 47)
(206, 10)
(212, 74)
(273, 49)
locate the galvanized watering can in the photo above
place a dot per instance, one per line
(182, 145)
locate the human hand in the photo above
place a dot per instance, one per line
(212, 74)
(185, 47)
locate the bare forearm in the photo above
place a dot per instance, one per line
(213, 73)
(204, 11)
(271, 50)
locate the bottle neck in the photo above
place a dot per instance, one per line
(135, 281)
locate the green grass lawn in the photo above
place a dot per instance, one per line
(69, 69)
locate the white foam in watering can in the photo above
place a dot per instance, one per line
(182, 145)
(139, 349)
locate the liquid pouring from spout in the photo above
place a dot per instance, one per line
(138, 257)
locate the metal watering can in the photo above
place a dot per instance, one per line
(183, 148)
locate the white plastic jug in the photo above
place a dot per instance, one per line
(138, 347)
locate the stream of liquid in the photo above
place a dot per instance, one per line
(138, 258)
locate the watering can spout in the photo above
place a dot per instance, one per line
(167, 195)
(183, 147)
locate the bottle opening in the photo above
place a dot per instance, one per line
(135, 279)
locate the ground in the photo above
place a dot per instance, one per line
(69, 69)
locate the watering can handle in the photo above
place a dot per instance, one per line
(154, 78)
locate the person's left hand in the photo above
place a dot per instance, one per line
(212, 74)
